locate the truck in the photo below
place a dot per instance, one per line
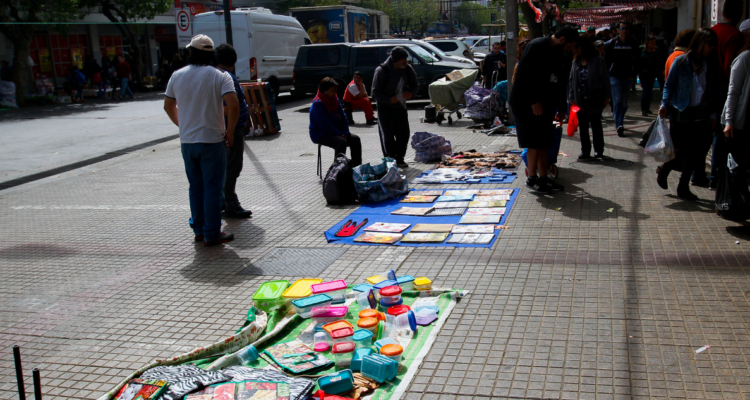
(342, 24)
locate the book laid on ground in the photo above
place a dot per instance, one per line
(471, 238)
(418, 199)
(473, 229)
(418, 211)
(379, 237)
(461, 192)
(451, 204)
(480, 219)
(432, 192)
(483, 192)
(424, 237)
(442, 212)
(486, 211)
(494, 197)
(432, 228)
(463, 197)
(487, 204)
(245, 390)
(387, 227)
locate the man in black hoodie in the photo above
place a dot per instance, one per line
(395, 81)
(621, 56)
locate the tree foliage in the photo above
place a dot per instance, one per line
(19, 19)
(405, 16)
(472, 15)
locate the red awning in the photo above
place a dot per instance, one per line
(616, 11)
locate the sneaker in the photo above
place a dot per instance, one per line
(198, 238)
(598, 155)
(223, 238)
(537, 185)
(237, 212)
(621, 131)
(661, 177)
(553, 187)
(583, 156)
(685, 194)
(372, 122)
(402, 164)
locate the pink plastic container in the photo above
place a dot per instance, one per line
(328, 314)
(335, 289)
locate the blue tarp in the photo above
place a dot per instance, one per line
(381, 212)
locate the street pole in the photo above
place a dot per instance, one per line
(228, 22)
(511, 40)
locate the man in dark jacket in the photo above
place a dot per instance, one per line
(497, 60)
(395, 82)
(621, 56)
(537, 93)
(226, 57)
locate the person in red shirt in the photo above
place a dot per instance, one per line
(355, 98)
(123, 73)
(730, 42)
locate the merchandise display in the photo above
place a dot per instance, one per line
(418, 199)
(486, 211)
(472, 238)
(379, 237)
(473, 229)
(494, 197)
(425, 237)
(434, 192)
(432, 228)
(451, 204)
(142, 389)
(463, 197)
(487, 204)
(350, 228)
(386, 227)
(495, 192)
(441, 212)
(480, 219)
(461, 192)
(482, 162)
(416, 211)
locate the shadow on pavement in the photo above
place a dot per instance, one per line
(740, 232)
(585, 207)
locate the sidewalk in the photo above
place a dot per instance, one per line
(101, 274)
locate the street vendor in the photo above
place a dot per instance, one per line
(328, 124)
(497, 60)
(355, 98)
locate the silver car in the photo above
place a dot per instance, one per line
(441, 55)
(454, 47)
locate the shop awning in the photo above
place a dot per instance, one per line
(617, 10)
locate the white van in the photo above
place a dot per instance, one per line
(266, 44)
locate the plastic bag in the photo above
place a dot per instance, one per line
(660, 145)
(8, 94)
(379, 182)
(429, 147)
(647, 134)
(732, 196)
(573, 120)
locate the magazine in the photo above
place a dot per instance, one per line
(480, 219)
(418, 199)
(486, 211)
(379, 237)
(431, 192)
(244, 390)
(387, 227)
(473, 229)
(424, 237)
(432, 228)
(466, 197)
(142, 389)
(494, 197)
(451, 204)
(492, 192)
(418, 211)
(487, 204)
(471, 238)
(461, 192)
(442, 212)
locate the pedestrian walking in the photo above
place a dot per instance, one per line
(622, 57)
(600, 47)
(730, 41)
(395, 81)
(681, 43)
(76, 82)
(328, 124)
(123, 75)
(589, 89)
(193, 101)
(226, 57)
(651, 65)
(735, 114)
(495, 65)
(536, 95)
(355, 98)
(690, 101)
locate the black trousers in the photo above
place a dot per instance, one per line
(689, 139)
(235, 155)
(339, 145)
(593, 120)
(393, 123)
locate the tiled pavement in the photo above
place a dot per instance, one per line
(100, 275)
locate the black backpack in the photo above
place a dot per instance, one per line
(338, 185)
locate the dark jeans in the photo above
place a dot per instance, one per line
(595, 121)
(620, 91)
(689, 139)
(235, 155)
(205, 166)
(339, 145)
(393, 123)
(647, 83)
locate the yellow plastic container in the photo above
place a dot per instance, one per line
(422, 283)
(374, 280)
(300, 289)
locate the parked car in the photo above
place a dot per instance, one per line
(266, 44)
(453, 47)
(441, 55)
(470, 40)
(341, 60)
(484, 45)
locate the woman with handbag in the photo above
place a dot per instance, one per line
(589, 89)
(690, 101)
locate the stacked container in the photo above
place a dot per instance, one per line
(392, 351)
(368, 323)
(362, 338)
(406, 282)
(335, 289)
(328, 314)
(268, 297)
(386, 283)
(339, 382)
(359, 354)
(398, 310)
(305, 305)
(379, 368)
(343, 353)
(340, 331)
(422, 283)
(390, 296)
(299, 290)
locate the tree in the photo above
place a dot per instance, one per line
(124, 13)
(285, 5)
(472, 15)
(411, 15)
(18, 19)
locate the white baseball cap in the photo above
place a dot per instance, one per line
(745, 25)
(202, 42)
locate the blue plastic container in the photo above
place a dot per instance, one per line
(387, 282)
(338, 382)
(305, 305)
(362, 338)
(406, 282)
(379, 368)
(362, 287)
(359, 354)
(386, 305)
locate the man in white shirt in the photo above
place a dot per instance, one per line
(355, 97)
(193, 101)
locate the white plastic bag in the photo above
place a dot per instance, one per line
(8, 94)
(659, 144)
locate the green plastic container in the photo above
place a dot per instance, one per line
(268, 296)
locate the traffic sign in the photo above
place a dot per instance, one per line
(183, 20)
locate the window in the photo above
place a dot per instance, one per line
(484, 42)
(368, 57)
(445, 46)
(323, 56)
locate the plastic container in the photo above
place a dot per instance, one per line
(362, 338)
(379, 368)
(320, 342)
(343, 353)
(339, 382)
(332, 326)
(319, 328)
(406, 322)
(369, 323)
(299, 290)
(304, 306)
(390, 295)
(392, 351)
(248, 354)
(389, 305)
(342, 335)
(268, 297)
(406, 282)
(375, 279)
(328, 314)
(362, 287)
(425, 316)
(382, 342)
(422, 283)
(359, 354)
(368, 313)
(363, 301)
(398, 310)
(335, 289)
(388, 327)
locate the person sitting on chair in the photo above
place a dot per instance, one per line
(355, 97)
(328, 124)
